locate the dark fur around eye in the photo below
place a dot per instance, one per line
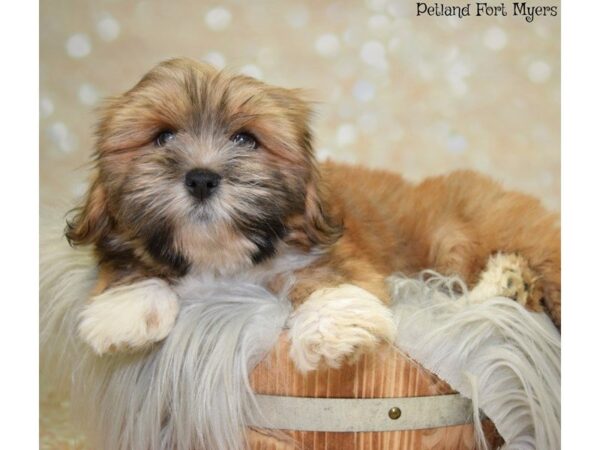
(244, 139)
(164, 137)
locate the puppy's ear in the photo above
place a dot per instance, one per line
(321, 224)
(91, 221)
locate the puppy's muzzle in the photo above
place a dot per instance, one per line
(202, 183)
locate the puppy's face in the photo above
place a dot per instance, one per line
(200, 169)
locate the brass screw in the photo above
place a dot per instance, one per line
(394, 413)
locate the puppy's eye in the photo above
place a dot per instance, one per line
(244, 139)
(164, 137)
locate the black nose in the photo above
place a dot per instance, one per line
(202, 183)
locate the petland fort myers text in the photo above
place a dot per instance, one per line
(482, 9)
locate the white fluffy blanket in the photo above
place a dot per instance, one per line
(192, 391)
(506, 359)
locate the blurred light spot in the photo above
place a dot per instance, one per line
(399, 8)
(373, 53)
(297, 16)
(46, 107)
(218, 18)
(88, 95)
(495, 38)
(78, 45)
(459, 70)
(79, 189)
(539, 71)
(394, 44)
(363, 91)
(346, 134)
(323, 154)
(451, 54)
(377, 5)
(454, 21)
(367, 122)
(252, 71)
(379, 24)
(547, 178)
(215, 58)
(108, 28)
(459, 87)
(541, 133)
(456, 75)
(542, 31)
(58, 131)
(327, 45)
(456, 144)
(60, 136)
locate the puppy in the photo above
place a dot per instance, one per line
(202, 173)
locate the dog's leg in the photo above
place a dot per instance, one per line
(518, 224)
(499, 221)
(508, 275)
(338, 323)
(129, 316)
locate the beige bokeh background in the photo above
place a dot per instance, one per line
(416, 95)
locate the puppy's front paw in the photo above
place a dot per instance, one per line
(338, 323)
(509, 275)
(129, 317)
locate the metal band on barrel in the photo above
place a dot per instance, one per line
(357, 415)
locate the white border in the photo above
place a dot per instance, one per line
(581, 223)
(581, 188)
(19, 208)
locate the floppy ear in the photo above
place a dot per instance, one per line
(321, 225)
(91, 221)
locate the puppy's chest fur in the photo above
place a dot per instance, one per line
(276, 274)
(207, 253)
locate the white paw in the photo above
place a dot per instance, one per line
(506, 275)
(338, 323)
(129, 317)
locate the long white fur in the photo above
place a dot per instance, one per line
(66, 277)
(189, 391)
(495, 352)
(192, 391)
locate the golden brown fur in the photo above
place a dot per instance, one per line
(450, 223)
(359, 225)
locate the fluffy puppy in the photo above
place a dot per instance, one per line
(201, 173)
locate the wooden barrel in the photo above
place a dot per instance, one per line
(385, 374)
